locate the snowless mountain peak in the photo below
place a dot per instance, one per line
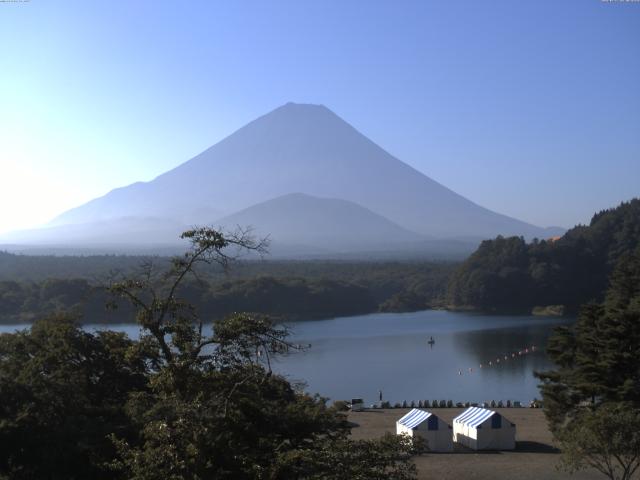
(308, 149)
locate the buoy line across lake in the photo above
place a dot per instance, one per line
(505, 358)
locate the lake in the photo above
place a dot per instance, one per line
(361, 355)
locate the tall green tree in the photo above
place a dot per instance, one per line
(597, 359)
(595, 388)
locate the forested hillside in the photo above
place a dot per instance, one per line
(288, 290)
(508, 274)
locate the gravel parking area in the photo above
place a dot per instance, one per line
(535, 457)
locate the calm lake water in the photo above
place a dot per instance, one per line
(358, 356)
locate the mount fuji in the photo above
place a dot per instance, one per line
(300, 174)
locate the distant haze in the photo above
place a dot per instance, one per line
(300, 174)
(528, 108)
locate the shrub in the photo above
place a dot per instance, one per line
(341, 405)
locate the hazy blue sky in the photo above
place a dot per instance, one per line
(530, 108)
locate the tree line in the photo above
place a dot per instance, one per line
(326, 290)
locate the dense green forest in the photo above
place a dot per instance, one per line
(176, 403)
(508, 274)
(288, 290)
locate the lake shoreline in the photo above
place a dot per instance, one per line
(474, 357)
(557, 311)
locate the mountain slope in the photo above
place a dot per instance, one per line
(124, 232)
(323, 223)
(309, 149)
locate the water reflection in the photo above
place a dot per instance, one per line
(358, 356)
(506, 349)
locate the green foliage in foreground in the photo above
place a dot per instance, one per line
(98, 405)
(176, 404)
(607, 439)
(592, 398)
(508, 274)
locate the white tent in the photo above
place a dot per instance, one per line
(482, 429)
(426, 425)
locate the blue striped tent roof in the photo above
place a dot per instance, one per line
(414, 418)
(474, 416)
